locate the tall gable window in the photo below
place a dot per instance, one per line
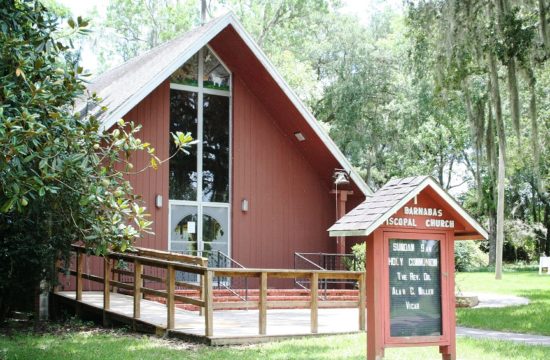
(199, 182)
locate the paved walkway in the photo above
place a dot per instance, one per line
(497, 301)
(501, 335)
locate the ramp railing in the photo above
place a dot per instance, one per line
(169, 263)
(166, 265)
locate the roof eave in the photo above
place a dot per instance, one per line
(141, 93)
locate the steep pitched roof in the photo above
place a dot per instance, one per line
(385, 202)
(124, 86)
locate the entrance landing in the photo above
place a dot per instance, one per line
(230, 326)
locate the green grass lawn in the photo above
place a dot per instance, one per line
(85, 345)
(533, 318)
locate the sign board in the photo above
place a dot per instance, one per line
(409, 226)
(414, 288)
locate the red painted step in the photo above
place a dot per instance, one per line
(224, 295)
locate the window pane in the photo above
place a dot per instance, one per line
(183, 167)
(188, 73)
(183, 222)
(215, 235)
(215, 183)
(215, 75)
(183, 235)
(215, 224)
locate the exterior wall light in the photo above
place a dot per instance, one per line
(158, 201)
(341, 177)
(299, 136)
(244, 205)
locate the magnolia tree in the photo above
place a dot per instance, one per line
(62, 180)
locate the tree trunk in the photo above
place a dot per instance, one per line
(514, 97)
(547, 224)
(492, 237)
(492, 165)
(534, 129)
(542, 22)
(495, 93)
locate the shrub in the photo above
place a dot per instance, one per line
(358, 263)
(62, 180)
(468, 256)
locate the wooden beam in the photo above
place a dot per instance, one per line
(106, 284)
(123, 272)
(201, 293)
(236, 305)
(170, 287)
(122, 285)
(152, 278)
(189, 286)
(114, 275)
(171, 256)
(314, 286)
(152, 259)
(138, 283)
(188, 300)
(159, 293)
(263, 303)
(208, 308)
(286, 304)
(362, 302)
(79, 267)
(106, 290)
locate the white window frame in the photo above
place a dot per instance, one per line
(200, 90)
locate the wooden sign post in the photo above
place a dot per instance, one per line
(410, 227)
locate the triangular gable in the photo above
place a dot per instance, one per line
(383, 204)
(123, 87)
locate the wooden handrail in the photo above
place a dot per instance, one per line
(178, 262)
(313, 275)
(171, 256)
(287, 273)
(146, 260)
(147, 257)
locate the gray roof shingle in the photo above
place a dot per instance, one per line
(116, 86)
(378, 204)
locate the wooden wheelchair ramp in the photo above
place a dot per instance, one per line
(248, 322)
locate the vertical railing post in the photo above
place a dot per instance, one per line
(170, 287)
(202, 286)
(138, 268)
(314, 302)
(106, 289)
(115, 276)
(362, 301)
(201, 293)
(106, 283)
(79, 267)
(208, 313)
(263, 303)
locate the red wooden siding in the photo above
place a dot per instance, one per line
(290, 207)
(153, 113)
(242, 61)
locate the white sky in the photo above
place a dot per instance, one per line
(363, 9)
